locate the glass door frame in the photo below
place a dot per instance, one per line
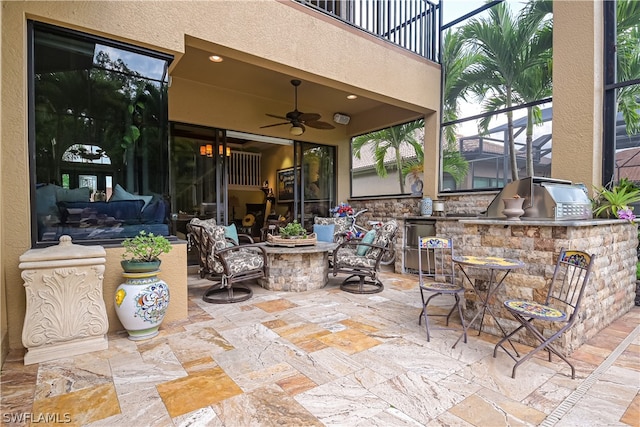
(299, 202)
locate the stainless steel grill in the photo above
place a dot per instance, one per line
(545, 198)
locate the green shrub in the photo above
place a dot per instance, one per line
(145, 247)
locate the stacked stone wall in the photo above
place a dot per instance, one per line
(611, 289)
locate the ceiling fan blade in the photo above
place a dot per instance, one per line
(309, 117)
(275, 124)
(320, 125)
(276, 117)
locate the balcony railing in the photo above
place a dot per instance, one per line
(411, 24)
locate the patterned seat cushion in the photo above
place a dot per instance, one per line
(350, 258)
(536, 310)
(241, 261)
(442, 287)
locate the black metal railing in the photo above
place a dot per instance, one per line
(411, 24)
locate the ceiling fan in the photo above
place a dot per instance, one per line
(298, 119)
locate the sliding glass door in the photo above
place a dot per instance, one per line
(316, 189)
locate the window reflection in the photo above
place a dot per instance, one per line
(100, 137)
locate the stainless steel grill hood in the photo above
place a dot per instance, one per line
(545, 198)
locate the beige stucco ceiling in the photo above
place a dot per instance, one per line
(271, 85)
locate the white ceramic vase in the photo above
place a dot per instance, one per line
(141, 303)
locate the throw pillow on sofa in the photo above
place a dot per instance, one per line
(120, 193)
(81, 194)
(46, 199)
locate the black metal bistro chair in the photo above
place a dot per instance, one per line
(226, 262)
(561, 306)
(438, 278)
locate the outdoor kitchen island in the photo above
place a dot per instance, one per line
(537, 243)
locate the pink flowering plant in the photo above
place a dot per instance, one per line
(343, 209)
(627, 214)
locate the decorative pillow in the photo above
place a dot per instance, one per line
(46, 199)
(81, 194)
(368, 238)
(154, 213)
(342, 225)
(120, 193)
(324, 233)
(231, 232)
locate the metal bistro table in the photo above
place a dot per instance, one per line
(494, 265)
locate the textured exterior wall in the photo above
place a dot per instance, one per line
(333, 54)
(577, 91)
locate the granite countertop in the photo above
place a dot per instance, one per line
(467, 219)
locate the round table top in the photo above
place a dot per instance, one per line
(319, 247)
(489, 262)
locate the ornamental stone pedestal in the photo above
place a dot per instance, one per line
(65, 313)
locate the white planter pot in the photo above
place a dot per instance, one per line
(141, 303)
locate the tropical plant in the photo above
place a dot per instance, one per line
(510, 48)
(453, 163)
(387, 139)
(145, 247)
(617, 200)
(457, 59)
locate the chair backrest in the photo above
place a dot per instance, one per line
(569, 281)
(383, 237)
(207, 237)
(438, 254)
(342, 225)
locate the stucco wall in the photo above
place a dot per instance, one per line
(577, 91)
(332, 54)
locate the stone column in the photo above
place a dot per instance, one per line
(65, 311)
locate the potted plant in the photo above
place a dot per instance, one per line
(293, 230)
(621, 197)
(142, 300)
(141, 253)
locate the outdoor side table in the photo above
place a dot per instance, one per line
(495, 265)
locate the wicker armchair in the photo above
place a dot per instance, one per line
(226, 262)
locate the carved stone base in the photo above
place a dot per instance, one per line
(65, 312)
(57, 351)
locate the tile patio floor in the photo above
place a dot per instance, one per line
(324, 357)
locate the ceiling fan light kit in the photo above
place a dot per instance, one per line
(297, 119)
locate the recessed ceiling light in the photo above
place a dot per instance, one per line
(215, 58)
(352, 96)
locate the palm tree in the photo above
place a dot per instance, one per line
(509, 48)
(387, 139)
(457, 58)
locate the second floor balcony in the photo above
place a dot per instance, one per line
(411, 24)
